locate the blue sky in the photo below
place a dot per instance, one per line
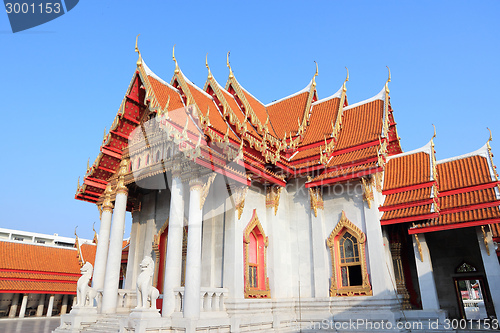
(63, 81)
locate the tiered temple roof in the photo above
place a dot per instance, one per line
(229, 131)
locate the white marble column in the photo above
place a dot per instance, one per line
(491, 266)
(428, 292)
(41, 302)
(132, 254)
(101, 255)
(13, 306)
(173, 262)
(51, 306)
(193, 256)
(24, 303)
(113, 265)
(64, 305)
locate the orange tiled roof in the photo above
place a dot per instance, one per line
(284, 115)
(38, 268)
(361, 124)
(346, 171)
(407, 170)
(408, 196)
(31, 257)
(407, 212)
(468, 198)
(463, 172)
(461, 217)
(88, 252)
(323, 113)
(163, 92)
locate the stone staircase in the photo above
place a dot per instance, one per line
(107, 324)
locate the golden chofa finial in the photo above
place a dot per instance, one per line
(346, 79)
(434, 131)
(388, 80)
(177, 70)
(315, 74)
(139, 61)
(75, 232)
(206, 65)
(231, 75)
(491, 138)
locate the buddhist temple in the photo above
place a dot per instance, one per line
(283, 216)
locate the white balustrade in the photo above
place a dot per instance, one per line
(211, 299)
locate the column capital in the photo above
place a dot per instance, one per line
(120, 187)
(176, 167)
(107, 205)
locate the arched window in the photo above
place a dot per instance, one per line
(255, 245)
(347, 250)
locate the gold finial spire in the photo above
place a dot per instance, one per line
(104, 137)
(206, 65)
(75, 232)
(434, 131)
(177, 70)
(231, 75)
(88, 165)
(490, 138)
(78, 184)
(388, 80)
(346, 79)
(315, 74)
(139, 61)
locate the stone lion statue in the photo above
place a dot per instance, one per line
(145, 289)
(83, 291)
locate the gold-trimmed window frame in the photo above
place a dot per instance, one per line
(336, 288)
(255, 292)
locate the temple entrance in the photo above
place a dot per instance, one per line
(472, 294)
(161, 256)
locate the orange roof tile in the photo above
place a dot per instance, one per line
(258, 108)
(406, 212)
(361, 124)
(33, 257)
(38, 286)
(467, 216)
(346, 171)
(353, 156)
(495, 228)
(465, 172)
(468, 198)
(88, 252)
(163, 92)
(407, 170)
(408, 196)
(284, 115)
(320, 123)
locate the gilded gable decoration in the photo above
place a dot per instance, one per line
(206, 188)
(316, 197)
(273, 197)
(367, 191)
(347, 251)
(239, 199)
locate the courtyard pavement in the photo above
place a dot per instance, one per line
(29, 325)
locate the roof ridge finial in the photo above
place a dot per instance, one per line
(345, 81)
(315, 74)
(206, 65)
(231, 75)
(177, 70)
(434, 131)
(388, 80)
(490, 138)
(139, 61)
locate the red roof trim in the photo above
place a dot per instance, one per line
(409, 188)
(94, 183)
(108, 152)
(39, 292)
(38, 280)
(410, 219)
(119, 134)
(452, 226)
(264, 175)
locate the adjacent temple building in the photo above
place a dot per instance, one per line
(281, 217)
